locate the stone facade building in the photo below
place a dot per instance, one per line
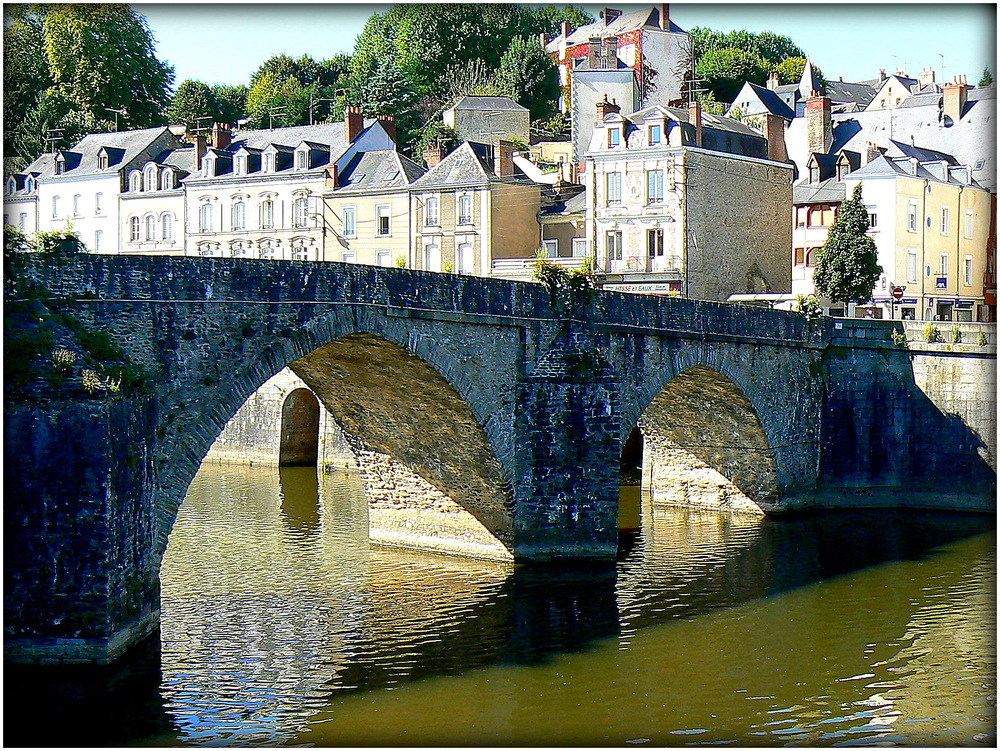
(682, 202)
(488, 119)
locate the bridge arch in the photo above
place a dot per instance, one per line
(415, 419)
(704, 445)
(299, 439)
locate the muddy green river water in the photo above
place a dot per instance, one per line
(283, 626)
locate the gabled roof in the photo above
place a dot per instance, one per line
(376, 170)
(129, 142)
(809, 82)
(461, 167)
(647, 19)
(768, 99)
(899, 148)
(499, 103)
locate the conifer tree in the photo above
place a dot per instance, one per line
(847, 268)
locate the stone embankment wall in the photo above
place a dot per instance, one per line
(913, 425)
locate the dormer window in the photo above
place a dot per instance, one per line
(135, 182)
(241, 164)
(655, 135)
(614, 137)
(60, 164)
(167, 180)
(268, 162)
(102, 160)
(150, 177)
(11, 185)
(210, 166)
(31, 185)
(301, 159)
(814, 173)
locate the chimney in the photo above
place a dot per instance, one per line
(504, 159)
(774, 131)
(433, 154)
(565, 30)
(609, 15)
(819, 129)
(955, 95)
(354, 122)
(926, 77)
(881, 75)
(871, 152)
(694, 117)
(611, 52)
(200, 149)
(222, 135)
(596, 53)
(332, 176)
(604, 108)
(665, 16)
(773, 80)
(389, 123)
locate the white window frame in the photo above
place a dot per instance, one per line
(432, 212)
(383, 258)
(205, 218)
(167, 226)
(466, 258)
(465, 210)
(383, 211)
(267, 213)
(347, 257)
(654, 187)
(969, 220)
(658, 130)
(301, 159)
(300, 212)
(134, 229)
(77, 200)
(613, 244)
(912, 267)
(551, 248)
(612, 188)
(350, 221)
(98, 234)
(149, 181)
(945, 220)
(167, 180)
(149, 228)
(614, 137)
(943, 262)
(432, 255)
(135, 182)
(911, 215)
(579, 247)
(967, 271)
(97, 203)
(55, 207)
(872, 217)
(239, 214)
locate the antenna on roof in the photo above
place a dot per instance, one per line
(52, 135)
(117, 113)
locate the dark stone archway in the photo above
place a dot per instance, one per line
(299, 445)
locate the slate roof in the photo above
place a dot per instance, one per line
(182, 158)
(827, 191)
(497, 103)
(469, 164)
(842, 92)
(329, 135)
(901, 166)
(560, 205)
(770, 101)
(130, 143)
(378, 170)
(645, 18)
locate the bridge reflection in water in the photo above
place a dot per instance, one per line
(283, 625)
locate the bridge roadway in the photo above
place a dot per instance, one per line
(498, 418)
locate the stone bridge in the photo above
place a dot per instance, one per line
(507, 413)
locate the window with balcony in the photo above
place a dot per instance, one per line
(654, 242)
(613, 243)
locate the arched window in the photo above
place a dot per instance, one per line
(267, 214)
(302, 212)
(133, 229)
(433, 215)
(167, 226)
(150, 228)
(135, 182)
(167, 179)
(239, 214)
(205, 217)
(150, 178)
(31, 185)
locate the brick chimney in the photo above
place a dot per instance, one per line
(200, 149)
(605, 108)
(353, 122)
(608, 15)
(955, 94)
(773, 81)
(565, 30)
(595, 56)
(503, 155)
(665, 16)
(389, 123)
(433, 154)
(819, 129)
(871, 152)
(222, 135)
(774, 131)
(694, 117)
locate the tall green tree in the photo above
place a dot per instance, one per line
(101, 58)
(281, 103)
(231, 102)
(847, 268)
(26, 72)
(527, 75)
(987, 78)
(790, 70)
(725, 70)
(192, 105)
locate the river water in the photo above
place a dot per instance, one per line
(282, 626)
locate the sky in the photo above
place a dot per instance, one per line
(225, 43)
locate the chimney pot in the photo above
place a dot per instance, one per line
(389, 123)
(773, 81)
(694, 116)
(222, 135)
(353, 122)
